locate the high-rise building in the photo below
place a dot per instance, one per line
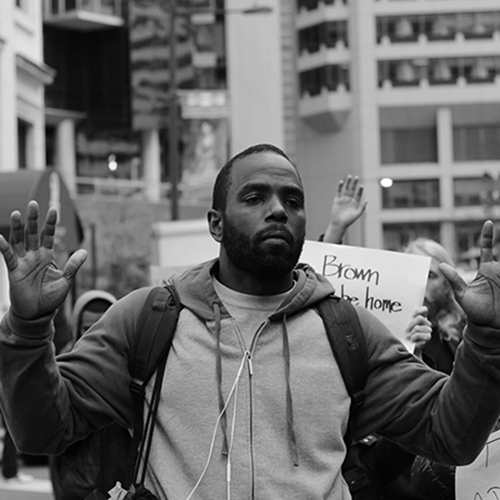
(153, 97)
(405, 94)
(23, 76)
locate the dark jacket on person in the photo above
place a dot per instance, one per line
(97, 461)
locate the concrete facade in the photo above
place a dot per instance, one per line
(394, 68)
(23, 77)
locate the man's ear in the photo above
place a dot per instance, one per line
(215, 224)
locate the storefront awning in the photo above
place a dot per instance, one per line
(48, 189)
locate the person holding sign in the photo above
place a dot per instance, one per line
(441, 316)
(250, 351)
(378, 469)
(436, 330)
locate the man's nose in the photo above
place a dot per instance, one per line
(277, 209)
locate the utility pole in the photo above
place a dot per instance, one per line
(173, 117)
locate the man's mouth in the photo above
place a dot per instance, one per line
(275, 234)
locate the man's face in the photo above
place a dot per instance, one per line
(437, 291)
(264, 222)
(87, 319)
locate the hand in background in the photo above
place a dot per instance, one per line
(419, 330)
(347, 208)
(37, 286)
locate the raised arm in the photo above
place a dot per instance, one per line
(347, 208)
(49, 403)
(446, 419)
(37, 286)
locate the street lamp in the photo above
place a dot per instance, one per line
(174, 105)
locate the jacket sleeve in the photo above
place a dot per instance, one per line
(445, 418)
(433, 481)
(49, 403)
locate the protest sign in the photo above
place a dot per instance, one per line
(389, 284)
(481, 479)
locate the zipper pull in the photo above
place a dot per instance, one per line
(250, 364)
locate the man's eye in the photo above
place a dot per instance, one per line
(252, 200)
(294, 203)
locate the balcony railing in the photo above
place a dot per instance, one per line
(83, 15)
(438, 27)
(107, 7)
(439, 71)
(332, 77)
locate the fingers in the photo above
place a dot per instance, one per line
(8, 255)
(350, 186)
(421, 311)
(420, 333)
(74, 263)
(32, 226)
(486, 241)
(363, 207)
(49, 229)
(25, 238)
(457, 283)
(17, 233)
(420, 323)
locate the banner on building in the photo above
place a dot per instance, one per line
(205, 141)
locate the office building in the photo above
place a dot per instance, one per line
(405, 94)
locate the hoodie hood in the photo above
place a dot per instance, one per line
(83, 301)
(197, 293)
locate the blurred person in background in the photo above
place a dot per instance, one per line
(93, 463)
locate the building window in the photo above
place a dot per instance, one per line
(24, 140)
(328, 34)
(327, 77)
(467, 236)
(397, 236)
(436, 27)
(476, 142)
(438, 71)
(470, 191)
(309, 39)
(314, 4)
(417, 145)
(411, 194)
(307, 4)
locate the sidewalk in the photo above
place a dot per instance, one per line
(38, 489)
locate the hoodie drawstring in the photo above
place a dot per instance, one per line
(223, 423)
(289, 402)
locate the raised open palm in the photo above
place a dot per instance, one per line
(37, 286)
(481, 298)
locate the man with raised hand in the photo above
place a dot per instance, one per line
(253, 405)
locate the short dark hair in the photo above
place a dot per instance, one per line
(223, 180)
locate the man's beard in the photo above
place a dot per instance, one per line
(247, 253)
(440, 303)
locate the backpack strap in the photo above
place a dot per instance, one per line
(349, 348)
(154, 333)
